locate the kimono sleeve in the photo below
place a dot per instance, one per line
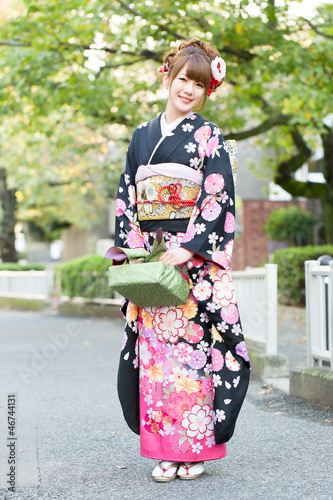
(128, 233)
(211, 229)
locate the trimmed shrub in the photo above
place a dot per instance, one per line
(85, 277)
(14, 266)
(290, 224)
(291, 272)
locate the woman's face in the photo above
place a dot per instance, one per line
(184, 94)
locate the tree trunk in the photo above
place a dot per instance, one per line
(327, 200)
(7, 220)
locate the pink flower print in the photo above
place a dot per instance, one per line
(145, 385)
(195, 262)
(198, 360)
(217, 360)
(223, 291)
(212, 146)
(161, 353)
(208, 388)
(230, 314)
(134, 240)
(229, 225)
(214, 183)
(170, 325)
(242, 351)
(211, 209)
(189, 235)
(183, 352)
(198, 422)
(202, 290)
(146, 353)
(203, 134)
(196, 335)
(220, 258)
(231, 363)
(120, 207)
(177, 403)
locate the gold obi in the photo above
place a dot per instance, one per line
(161, 197)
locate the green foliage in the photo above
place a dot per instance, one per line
(77, 77)
(14, 266)
(85, 277)
(290, 224)
(291, 274)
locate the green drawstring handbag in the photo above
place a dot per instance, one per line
(150, 283)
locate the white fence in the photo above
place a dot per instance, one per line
(31, 285)
(319, 314)
(256, 294)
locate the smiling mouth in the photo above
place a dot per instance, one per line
(185, 99)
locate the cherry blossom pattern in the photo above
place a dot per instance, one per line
(231, 363)
(146, 352)
(202, 290)
(120, 207)
(210, 208)
(217, 360)
(223, 291)
(187, 384)
(198, 359)
(214, 183)
(198, 422)
(229, 225)
(178, 402)
(183, 352)
(242, 351)
(169, 324)
(230, 314)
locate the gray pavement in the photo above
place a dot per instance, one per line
(72, 442)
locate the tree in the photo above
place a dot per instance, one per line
(98, 62)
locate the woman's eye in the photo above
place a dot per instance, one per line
(200, 85)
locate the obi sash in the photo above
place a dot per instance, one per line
(166, 191)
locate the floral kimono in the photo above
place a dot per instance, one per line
(184, 369)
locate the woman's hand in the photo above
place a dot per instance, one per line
(176, 256)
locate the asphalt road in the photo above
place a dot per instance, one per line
(72, 442)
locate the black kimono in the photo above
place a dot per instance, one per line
(184, 370)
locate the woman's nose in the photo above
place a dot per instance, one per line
(189, 87)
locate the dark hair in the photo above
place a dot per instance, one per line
(197, 55)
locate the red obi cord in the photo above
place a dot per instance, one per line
(174, 199)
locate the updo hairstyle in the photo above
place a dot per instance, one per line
(198, 56)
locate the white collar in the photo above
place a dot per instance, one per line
(166, 129)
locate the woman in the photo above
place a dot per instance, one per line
(184, 370)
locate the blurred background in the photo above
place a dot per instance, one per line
(78, 77)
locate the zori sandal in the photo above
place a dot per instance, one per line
(191, 470)
(165, 471)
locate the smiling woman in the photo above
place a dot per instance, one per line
(184, 369)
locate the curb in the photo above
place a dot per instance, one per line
(314, 384)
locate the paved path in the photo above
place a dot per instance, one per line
(73, 443)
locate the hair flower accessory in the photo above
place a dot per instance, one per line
(218, 73)
(164, 68)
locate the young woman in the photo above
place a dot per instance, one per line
(184, 370)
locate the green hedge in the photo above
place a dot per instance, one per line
(85, 277)
(291, 273)
(14, 266)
